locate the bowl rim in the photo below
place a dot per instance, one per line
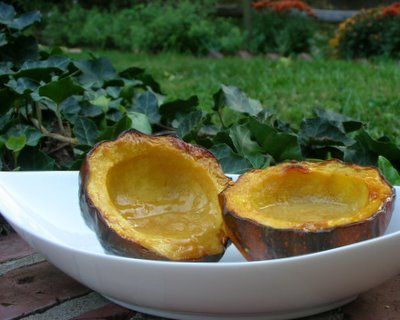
(8, 200)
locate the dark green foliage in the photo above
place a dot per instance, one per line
(43, 5)
(15, 47)
(54, 109)
(370, 33)
(185, 26)
(283, 33)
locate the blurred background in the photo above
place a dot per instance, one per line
(293, 56)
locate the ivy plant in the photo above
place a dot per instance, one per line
(53, 109)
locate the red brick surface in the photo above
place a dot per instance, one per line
(13, 247)
(108, 312)
(34, 288)
(41, 286)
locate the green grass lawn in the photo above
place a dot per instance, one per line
(365, 91)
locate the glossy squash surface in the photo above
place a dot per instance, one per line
(155, 197)
(296, 208)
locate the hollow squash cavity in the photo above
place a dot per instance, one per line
(312, 198)
(157, 196)
(309, 195)
(163, 195)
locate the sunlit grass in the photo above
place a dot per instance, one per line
(365, 91)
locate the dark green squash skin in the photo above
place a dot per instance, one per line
(108, 237)
(259, 242)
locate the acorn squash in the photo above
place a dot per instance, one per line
(297, 208)
(154, 198)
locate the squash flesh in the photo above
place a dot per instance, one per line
(308, 196)
(316, 198)
(158, 197)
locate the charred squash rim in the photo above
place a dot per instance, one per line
(262, 242)
(119, 244)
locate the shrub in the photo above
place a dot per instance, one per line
(230, 37)
(96, 30)
(283, 31)
(372, 32)
(128, 33)
(64, 27)
(157, 26)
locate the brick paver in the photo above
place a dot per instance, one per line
(38, 290)
(13, 247)
(34, 288)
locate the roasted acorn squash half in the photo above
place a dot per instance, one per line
(303, 207)
(154, 198)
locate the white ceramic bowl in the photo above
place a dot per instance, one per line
(43, 208)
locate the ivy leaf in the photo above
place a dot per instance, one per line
(114, 115)
(70, 109)
(60, 90)
(259, 161)
(230, 117)
(236, 100)
(22, 85)
(321, 132)
(5, 121)
(346, 124)
(390, 173)
(169, 110)
(34, 159)
(5, 69)
(16, 143)
(95, 71)
(32, 134)
(103, 102)
(42, 70)
(114, 92)
(230, 161)
(7, 13)
(140, 122)
(21, 49)
(190, 125)
(280, 145)
(131, 73)
(90, 111)
(3, 39)
(7, 98)
(147, 104)
(134, 73)
(85, 131)
(111, 132)
(224, 138)
(241, 139)
(25, 20)
(359, 154)
(367, 150)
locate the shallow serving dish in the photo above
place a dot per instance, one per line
(43, 208)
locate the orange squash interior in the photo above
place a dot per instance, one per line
(158, 196)
(308, 195)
